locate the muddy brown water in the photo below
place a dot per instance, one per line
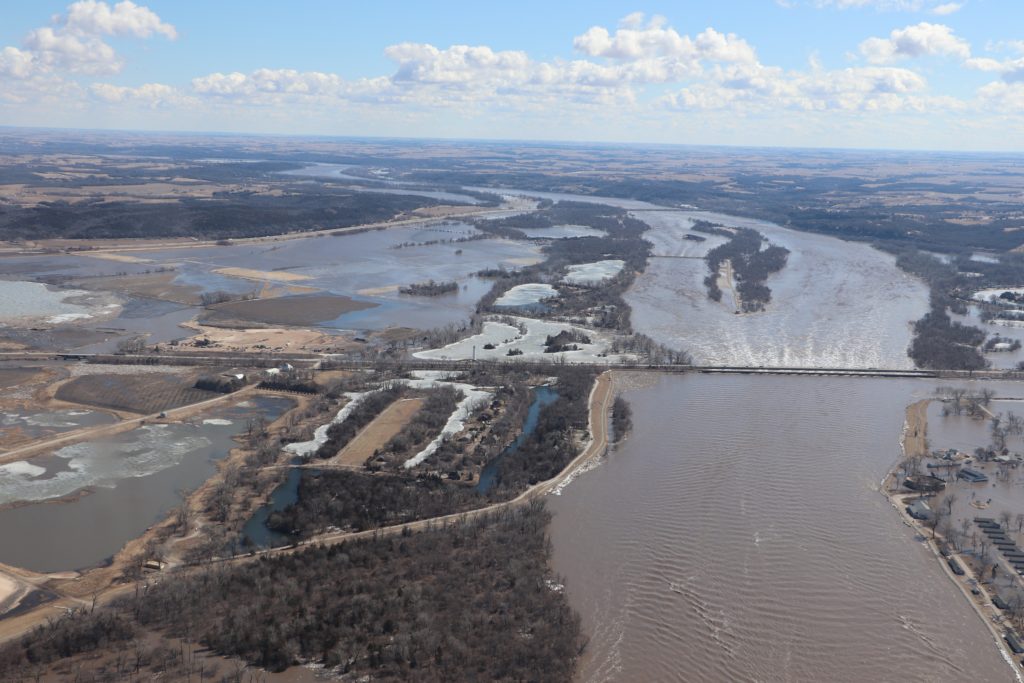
(739, 535)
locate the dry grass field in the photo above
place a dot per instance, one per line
(379, 432)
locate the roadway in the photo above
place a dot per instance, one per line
(263, 359)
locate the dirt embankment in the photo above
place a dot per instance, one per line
(915, 430)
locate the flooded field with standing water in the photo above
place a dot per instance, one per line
(127, 482)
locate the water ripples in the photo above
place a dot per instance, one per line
(737, 536)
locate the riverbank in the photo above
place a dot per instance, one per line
(914, 442)
(101, 589)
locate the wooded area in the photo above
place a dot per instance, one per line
(474, 601)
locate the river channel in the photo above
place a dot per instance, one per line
(739, 535)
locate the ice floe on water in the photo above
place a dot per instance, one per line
(561, 232)
(22, 301)
(593, 273)
(526, 295)
(151, 448)
(219, 421)
(21, 468)
(40, 423)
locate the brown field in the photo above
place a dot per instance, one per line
(150, 285)
(13, 377)
(274, 275)
(111, 256)
(260, 339)
(379, 432)
(144, 394)
(289, 310)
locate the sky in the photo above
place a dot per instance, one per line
(903, 74)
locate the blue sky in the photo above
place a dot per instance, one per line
(924, 74)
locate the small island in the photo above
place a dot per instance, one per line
(743, 265)
(430, 288)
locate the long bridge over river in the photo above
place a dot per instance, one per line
(264, 359)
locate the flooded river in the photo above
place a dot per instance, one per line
(739, 535)
(836, 303)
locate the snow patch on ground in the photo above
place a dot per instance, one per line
(505, 337)
(472, 398)
(526, 295)
(593, 273)
(433, 374)
(987, 294)
(307, 448)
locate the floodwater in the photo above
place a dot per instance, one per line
(369, 266)
(22, 301)
(392, 186)
(38, 424)
(1009, 330)
(131, 481)
(738, 534)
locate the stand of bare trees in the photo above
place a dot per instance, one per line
(469, 601)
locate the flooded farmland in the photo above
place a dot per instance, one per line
(369, 267)
(128, 481)
(739, 534)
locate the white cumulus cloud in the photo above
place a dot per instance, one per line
(92, 17)
(924, 39)
(74, 42)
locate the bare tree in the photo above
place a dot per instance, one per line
(998, 432)
(949, 501)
